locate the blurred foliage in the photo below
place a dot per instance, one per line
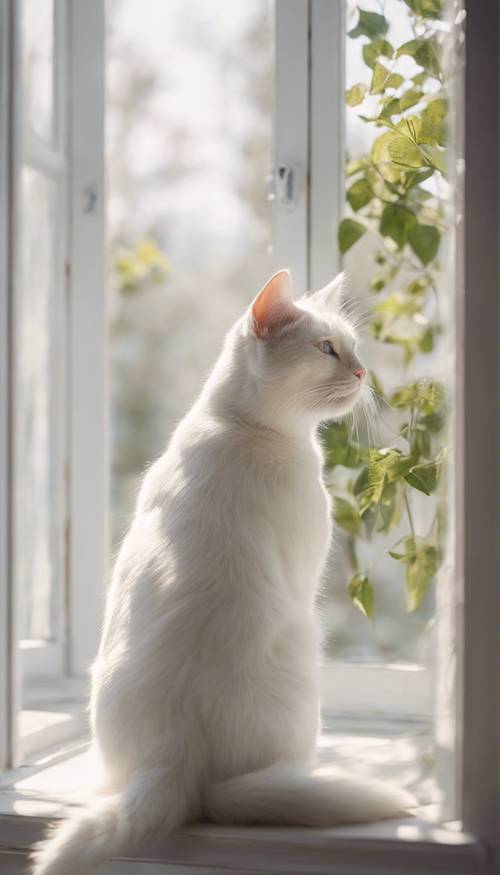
(393, 193)
(140, 264)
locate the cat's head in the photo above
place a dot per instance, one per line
(303, 352)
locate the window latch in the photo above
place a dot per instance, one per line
(281, 184)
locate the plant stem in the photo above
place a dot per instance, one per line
(410, 518)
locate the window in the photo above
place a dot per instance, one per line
(53, 396)
(274, 75)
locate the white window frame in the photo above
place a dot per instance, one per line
(32, 672)
(40, 657)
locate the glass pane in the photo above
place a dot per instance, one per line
(38, 66)
(398, 237)
(36, 498)
(189, 147)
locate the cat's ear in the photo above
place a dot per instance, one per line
(331, 295)
(273, 307)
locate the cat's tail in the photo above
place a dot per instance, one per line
(111, 826)
(290, 794)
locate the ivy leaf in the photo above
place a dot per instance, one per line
(426, 8)
(362, 594)
(420, 442)
(410, 98)
(405, 153)
(347, 516)
(433, 128)
(381, 157)
(360, 193)
(433, 422)
(389, 507)
(384, 467)
(349, 233)
(419, 573)
(424, 240)
(423, 477)
(436, 157)
(427, 395)
(355, 95)
(422, 561)
(370, 24)
(355, 166)
(396, 222)
(339, 449)
(373, 50)
(395, 80)
(361, 481)
(424, 52)
(379, 79)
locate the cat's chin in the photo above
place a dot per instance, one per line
(344, 405)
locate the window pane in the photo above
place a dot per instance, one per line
(36, 423)
(398, 239)
(188, 155)
(38, 66)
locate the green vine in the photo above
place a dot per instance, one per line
(394, 196)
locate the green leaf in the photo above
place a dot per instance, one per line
(423, 477)
(415, 178)
(419, 573)
(405, 153)
(372, 51)
(370, 24)
(410, 98)
(396, 222)
(436, 157)
(424, 240)
(355, 166)
(424, 52)
(426, 395)
(381, 157)
(349, 233)
(389, 507)
(434, 422)
(433, 128)
(355, 95)
(379, 79)
(384, 467)
(360, 193)
(420, 442)
(422, 560)
(361, 481)
(339, 449)
(394, 81)
(378, 283)
(426, 340)
(425, 8)
(362, 594)
(347, 516)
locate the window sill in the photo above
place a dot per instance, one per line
(44, 790)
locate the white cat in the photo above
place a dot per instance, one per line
(205, 690)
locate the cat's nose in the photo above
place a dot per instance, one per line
(360, 373)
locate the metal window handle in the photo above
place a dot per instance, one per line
(281, 184)
(90, 198)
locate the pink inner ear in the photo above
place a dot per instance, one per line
(273, 306)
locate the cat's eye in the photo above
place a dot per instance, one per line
(326, 347)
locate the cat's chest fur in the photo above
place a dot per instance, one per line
(304, 519)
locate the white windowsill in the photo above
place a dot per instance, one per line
(45, 789)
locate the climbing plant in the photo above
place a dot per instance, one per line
(394, 196)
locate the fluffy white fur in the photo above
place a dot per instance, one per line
(205, 689)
